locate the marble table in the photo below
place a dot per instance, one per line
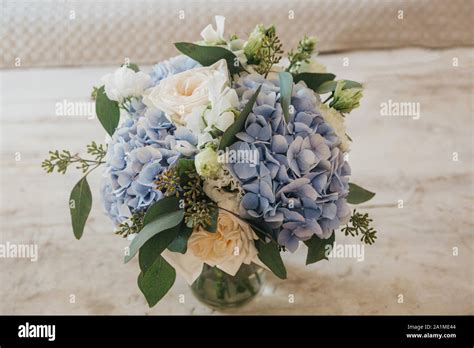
(422, 170)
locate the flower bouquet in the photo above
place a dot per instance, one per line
(221, 159)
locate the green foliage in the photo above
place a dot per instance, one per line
(156, 281)
(108, 111)
(314, 80)
(269, 53)
(302, 54)
(358, 194)
(132, 225)
(286, 89)
(61, 160)
(317, 248)
(180, 243)
(330, 86)
(359, 224)
(163, 224)
(95, 90)
(228, 138)
(132, 66)
(269, 254)
(80, 204)
(208, 55)
(169, 182)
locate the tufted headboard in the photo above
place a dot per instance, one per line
(75, 33)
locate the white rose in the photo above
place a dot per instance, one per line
(336, 121)
(125, 83)
(182, 94)
(230, 246)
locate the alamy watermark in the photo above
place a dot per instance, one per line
(70, 108)
(25, 251)
(238, 156)
(400, 109)
(28, 330)
(344, 251)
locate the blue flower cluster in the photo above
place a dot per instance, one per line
(172, 66)
(300, 184)
(141, 148)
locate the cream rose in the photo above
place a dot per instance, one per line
(181, 94)
(231, 245)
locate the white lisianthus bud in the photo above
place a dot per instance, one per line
(125, 83)
(207, 163)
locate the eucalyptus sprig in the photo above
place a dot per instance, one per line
(182, 181)
(61, 160)
(132, 225)
(360, 224)
(302, 54)
(270, 51)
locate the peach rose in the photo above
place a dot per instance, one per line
(231, 245)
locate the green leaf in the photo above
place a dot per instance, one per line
(132, 66)
(162, 223)
(286, 89)
(358, 194)
(314, 80)
(163, 206)
(330, 86)
(212, 227)
(208, 55)
(107, 111)
(180, 243)
(228, 138)
(184, 165)
(269, 254)
(317, 248)
(152, 249)
(80, 204)
(157, 281)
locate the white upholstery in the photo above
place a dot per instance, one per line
(62, 33)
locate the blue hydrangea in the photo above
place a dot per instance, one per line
(141, 148)
(300, 184)
(139, 151)
(172, 66)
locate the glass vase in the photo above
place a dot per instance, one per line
(220, 290)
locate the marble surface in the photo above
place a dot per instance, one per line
(398, 157)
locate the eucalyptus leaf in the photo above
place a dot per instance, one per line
(228, 138)
(208, 55)
(330, 86)
(269, 254)
(156, 283)
(212, 227)
(286, 89)
(152, 249)
(314, 80)
(317, 248)
(358, 194)
(180, 242)
(163, 206)
(107, 111)
(161, 223)
(80, 204)
(184, 165)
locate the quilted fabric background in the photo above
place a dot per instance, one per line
(72, 33)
